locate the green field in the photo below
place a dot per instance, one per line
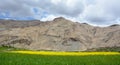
(26, 59)
(29, 59)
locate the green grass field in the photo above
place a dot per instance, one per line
(29, 59)
(26, 59)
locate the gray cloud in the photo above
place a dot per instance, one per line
(100, 12)
(55, 7)
(61, 7)
(15, 8)
(70, 9)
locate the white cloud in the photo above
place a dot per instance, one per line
(48, 18)
(98, 12)
(102, 12)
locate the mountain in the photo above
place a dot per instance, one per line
(8, 24)
(61, 35)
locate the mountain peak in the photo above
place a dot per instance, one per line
(59, 18)
(114, 25)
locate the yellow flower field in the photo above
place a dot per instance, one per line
(66, 53)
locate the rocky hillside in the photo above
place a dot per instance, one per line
(8, 24)
(61, 35)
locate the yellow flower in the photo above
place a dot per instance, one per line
(66, 53)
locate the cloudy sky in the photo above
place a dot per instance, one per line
(96, 12)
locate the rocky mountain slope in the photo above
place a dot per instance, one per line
(61, 35)
(8, 24)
